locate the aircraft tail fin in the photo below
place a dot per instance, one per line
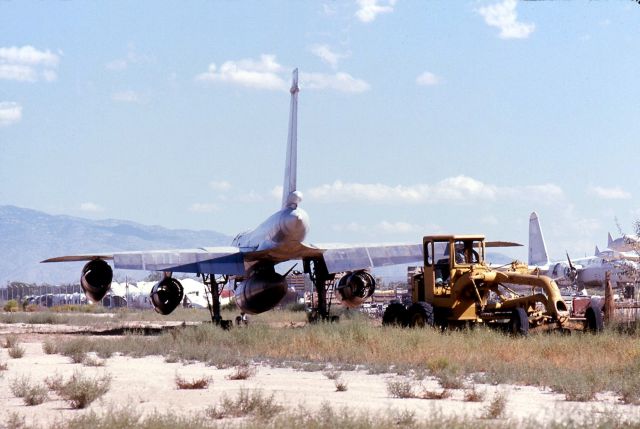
(597, 251)
(291, 165)
(609, 240)
(537, 248)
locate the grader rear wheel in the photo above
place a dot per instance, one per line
(519, 322)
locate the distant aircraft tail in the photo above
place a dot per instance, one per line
(291, 165)
(537, 248)
(597, 251)
(609, 240)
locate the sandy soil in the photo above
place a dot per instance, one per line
(149, 384)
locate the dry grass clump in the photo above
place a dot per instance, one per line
(242, 372)
(31, 394)
(341, 385)
(473, 395)
(247, 404)
(400, 389)
(80, 390)
(10, 341)
(75, 349)
(497, 408)
(4, 366)
(332, 374)
(430, 394)
(196, 383)
(49, 347)
(16, 351)
(93, 361)
(578, 388)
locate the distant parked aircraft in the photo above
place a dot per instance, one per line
(583, 272)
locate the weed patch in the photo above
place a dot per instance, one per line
(400, 389)
(80, 390)
(247, 404)
(341, 385)
(497, 408)
(16, 351)
(196, 383)
(242, 372)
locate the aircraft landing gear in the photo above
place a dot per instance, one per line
(323, 283)
(213, 287)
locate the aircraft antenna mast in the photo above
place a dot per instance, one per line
(290, 168)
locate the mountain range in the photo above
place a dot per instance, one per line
(29, 236)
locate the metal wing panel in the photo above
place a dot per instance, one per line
(339, 259)
(214, 260)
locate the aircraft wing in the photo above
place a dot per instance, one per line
(339, 258)
(215, 260)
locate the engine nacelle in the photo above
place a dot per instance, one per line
(96, 279)
(355, 287)
(166, 295)
(261, 291)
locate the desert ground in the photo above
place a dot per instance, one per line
(148, 385)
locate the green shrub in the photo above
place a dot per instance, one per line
(11, 306)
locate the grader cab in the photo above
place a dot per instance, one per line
(457, 287)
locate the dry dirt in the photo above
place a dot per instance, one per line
(148, 384)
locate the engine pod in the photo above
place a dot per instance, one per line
(166, 295)
(355, 287)
(262, 291)
(96, 279)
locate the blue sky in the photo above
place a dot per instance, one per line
(414, 117)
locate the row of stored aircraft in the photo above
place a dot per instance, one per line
(620, 260)
(251, 259)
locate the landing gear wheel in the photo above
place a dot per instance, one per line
(594, 322)
(519, 322)
(421, 315)
(395, 314)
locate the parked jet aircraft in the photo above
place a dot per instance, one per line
(251, 258)
(583, 272)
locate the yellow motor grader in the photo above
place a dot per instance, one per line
(456, 288)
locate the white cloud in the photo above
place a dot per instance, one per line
(276, 191)
(10, 113)
(454, 189)
(27, 64)
(503, 16)
(615, 193)
(368, 10)
(325, 53)
(342, 82)
(126, 96)
(220, 185)
(267, 73)
(203, 208)
(261, 74)
(91, 207)
(132, 57)
(428, 79)
(28, 55)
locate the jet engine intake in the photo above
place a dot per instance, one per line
(355, 287)
(261, 291)
(96, 279)
(166, 295)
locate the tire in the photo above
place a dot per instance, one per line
(594, 321)
(519, 322)
(395, 314)
(421, 315)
